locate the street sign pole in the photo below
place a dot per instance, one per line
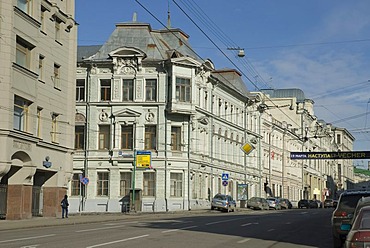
(133, 183)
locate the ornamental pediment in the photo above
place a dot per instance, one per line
(127, 113)
(127, 52)
(186, 61)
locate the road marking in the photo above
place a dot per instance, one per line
(118, 241)
(270, 230)
(246, 224)
(243, 241)
(288, 223)
(179, 229)
(99, 228)
(29, 246)
(35, 237)
(221, 221)
(181, 222)
(120, 223)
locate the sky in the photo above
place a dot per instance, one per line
(320, 47)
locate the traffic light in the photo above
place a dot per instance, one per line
(265, 186)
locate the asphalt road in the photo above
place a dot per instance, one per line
(260, 229)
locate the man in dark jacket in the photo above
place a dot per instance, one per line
(64, 203)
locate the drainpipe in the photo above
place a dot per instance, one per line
(189, 132)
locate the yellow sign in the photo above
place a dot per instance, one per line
(143, 159)
(247, 148)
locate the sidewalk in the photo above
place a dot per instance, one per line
(93, 218)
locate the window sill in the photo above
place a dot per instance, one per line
(43, 32)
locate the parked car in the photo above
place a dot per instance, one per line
(329, 203)
(315, 204)
(223, 202)
(285, 203)
(359, 231)
(274, 203)
(304, 203)
(362, 202)
(343, 214)
(258, 203)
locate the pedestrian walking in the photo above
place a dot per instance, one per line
(64, 204)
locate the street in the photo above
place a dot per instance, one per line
(285, 228)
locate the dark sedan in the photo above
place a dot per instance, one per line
(304, 203)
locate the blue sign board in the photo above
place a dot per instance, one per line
(225, 183)
(84, 180)
(225, 176)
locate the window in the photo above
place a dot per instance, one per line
(127, 137)
(42, 18)
(75, 184)
(58, 24)
(176, 184)
(183, 89)
(176, 138)
(80, 90)
(23, 53)
(151, 90)
(25, 6)
(38, 132)
(338, 139)
(80, 137)
(105, 89)
(104, 131)
(128, 90)
(56, 76)
(149, 184)
(125, 183)
(21, 114)
(41, 67)
(54, 127)
(103, 184)
(150, 137)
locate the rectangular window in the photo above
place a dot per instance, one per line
(176, 138)
(57, 29)
(103, 184)
(42, 17)
(127, 90)
(23, 53)
(104, 131)
(41, 67)
(54, 128)
(125, 183)
(80, 137)
(176, 184)
(105, 89)
(80, 90)
(338, 139)
(127, 137)
(21, 113)
(75, 184)
(183, 89)
(56, 76)
(150, 137)
(149, 184)
(38, 132)
(151, 90)
(25, 6)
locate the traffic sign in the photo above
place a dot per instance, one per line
(225, 176)
(225, 183)
(247, 148)
(84, 180)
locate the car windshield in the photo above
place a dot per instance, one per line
(348, 202)
(220, 197)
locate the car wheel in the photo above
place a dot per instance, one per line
(212, 207)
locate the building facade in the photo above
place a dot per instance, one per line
(160, 129)
(37, 76)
